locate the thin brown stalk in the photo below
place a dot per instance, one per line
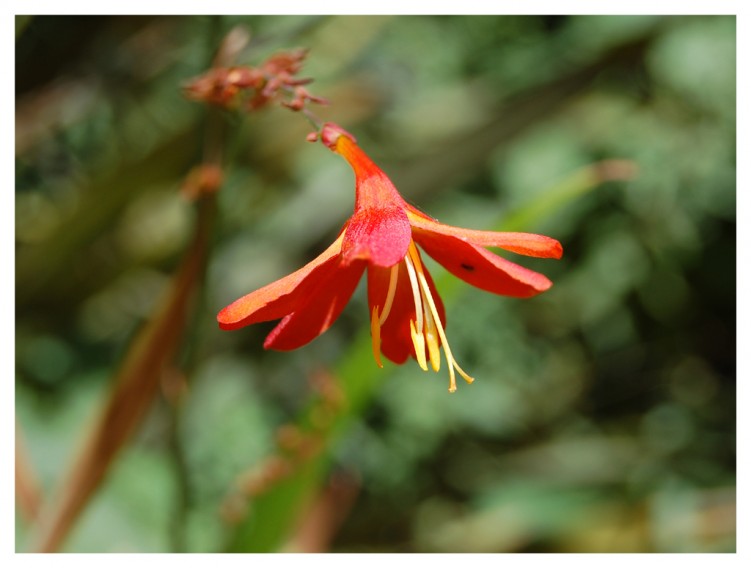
(134, 389)
(318, 528)
(28, 492)
(151, 355)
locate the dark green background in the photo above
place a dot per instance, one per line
(603, 414)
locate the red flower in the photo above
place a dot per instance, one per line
(407, 315)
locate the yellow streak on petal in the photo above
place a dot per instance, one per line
(375, 336)
(390, 294)
(419, 343)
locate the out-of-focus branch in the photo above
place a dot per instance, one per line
(151, 356)
(578, 183)
(298, 450)
(134, 388)
(28, 493)
(321, 523)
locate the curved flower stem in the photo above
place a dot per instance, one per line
(316, 122)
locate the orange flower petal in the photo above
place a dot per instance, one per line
(284, 296)
(482, 268)
(379, 235)
(527, 244)
(321, 308)
(396, 343)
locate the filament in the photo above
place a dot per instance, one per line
(390, 294)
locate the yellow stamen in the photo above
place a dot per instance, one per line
(432, 340)
(415, 291)
(418, 341)
(375, 336)
(416, 326)
(425, 289)
(390, 294)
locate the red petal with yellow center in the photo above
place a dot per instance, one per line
(321, 308)
(284, 296)
(480, 267)
(527, 244)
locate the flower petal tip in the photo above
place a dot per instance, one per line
(556, 250)
(543, 284)
(226, 321)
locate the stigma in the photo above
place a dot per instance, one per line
(426, 329)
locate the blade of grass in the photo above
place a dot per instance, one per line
(578, 184)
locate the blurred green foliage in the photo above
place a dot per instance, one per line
(603, 414)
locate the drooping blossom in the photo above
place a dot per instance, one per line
(382, 236)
